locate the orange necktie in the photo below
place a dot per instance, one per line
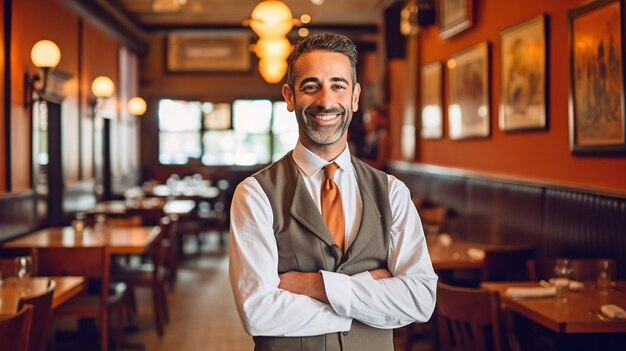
(332, 211)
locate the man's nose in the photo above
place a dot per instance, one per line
(324, 98)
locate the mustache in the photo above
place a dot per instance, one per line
(321, 110)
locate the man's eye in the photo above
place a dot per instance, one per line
(309, 88)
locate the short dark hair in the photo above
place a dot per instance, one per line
(325, 42)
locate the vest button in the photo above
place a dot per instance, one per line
(345, 333)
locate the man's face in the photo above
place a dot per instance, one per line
(324, 99)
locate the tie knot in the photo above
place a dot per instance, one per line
(330, 170)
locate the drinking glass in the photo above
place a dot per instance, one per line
(79, 223)
(604, 276)
(23, 269)
(561, 280)
(100, 224)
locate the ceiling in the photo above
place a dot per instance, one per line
(168, 14)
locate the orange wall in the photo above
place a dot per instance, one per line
(2, 104)
(100, 58)
(539, 155)
(98, 54)
(27, 28)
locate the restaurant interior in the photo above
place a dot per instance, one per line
(128, 124)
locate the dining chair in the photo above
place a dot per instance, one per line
(151, 275)
(42, 316)
(100, 299)
(469, 319)
(506, 263)
(15, 329)
(170, 244)
(582, 268)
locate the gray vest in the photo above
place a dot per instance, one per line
(306, 245)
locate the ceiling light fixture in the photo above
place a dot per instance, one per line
(137, 106)
(271, 19)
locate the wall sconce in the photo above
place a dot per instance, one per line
(102, 87)
(137, 106)
(45, 55)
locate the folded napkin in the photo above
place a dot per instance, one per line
(476, 254)
(613, 311)
(536, 291)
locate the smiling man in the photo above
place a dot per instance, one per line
(327, 253)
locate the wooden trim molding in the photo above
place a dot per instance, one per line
(459, 172)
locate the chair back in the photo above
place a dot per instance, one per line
(42, 315)
(582, 269)
(90, 262)
(15, 329)
(469, 319)
(506, 263)
(170, 245)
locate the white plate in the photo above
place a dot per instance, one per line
(574, 285)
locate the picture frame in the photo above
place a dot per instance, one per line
(596, 103)
(204, 52)
(469, 87)
(432, 101)
(455, 16)
(524, 76)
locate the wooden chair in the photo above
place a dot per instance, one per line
(170, 243)
(15, 329)
(506, 263)
(582, 269)
(469, 319)
(150, 275)
(101, 296)
(42, 316)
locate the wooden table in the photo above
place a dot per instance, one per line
(121, 207)
(117, 240)
(66, 288)
(570, 317)
(112, 240)
(455, 255)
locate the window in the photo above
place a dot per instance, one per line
(260, 131)
(284, 130)
(179, 131)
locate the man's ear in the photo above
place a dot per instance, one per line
(355, 97)
(289, 97)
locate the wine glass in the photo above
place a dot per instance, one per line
(23, 269)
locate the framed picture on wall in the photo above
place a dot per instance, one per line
(455, 16)
(597, 78)
(468, 83)
(431, 99)
(195, 52)
(523, 76)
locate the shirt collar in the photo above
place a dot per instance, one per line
(310, 163)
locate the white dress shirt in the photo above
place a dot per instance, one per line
(266, 310)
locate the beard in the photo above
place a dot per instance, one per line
(323, 134)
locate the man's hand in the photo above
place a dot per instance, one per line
(380, 273)
(309, 284)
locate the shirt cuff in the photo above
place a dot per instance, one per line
(338, 291)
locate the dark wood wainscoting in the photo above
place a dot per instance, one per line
(558, 220)
(18, 214)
